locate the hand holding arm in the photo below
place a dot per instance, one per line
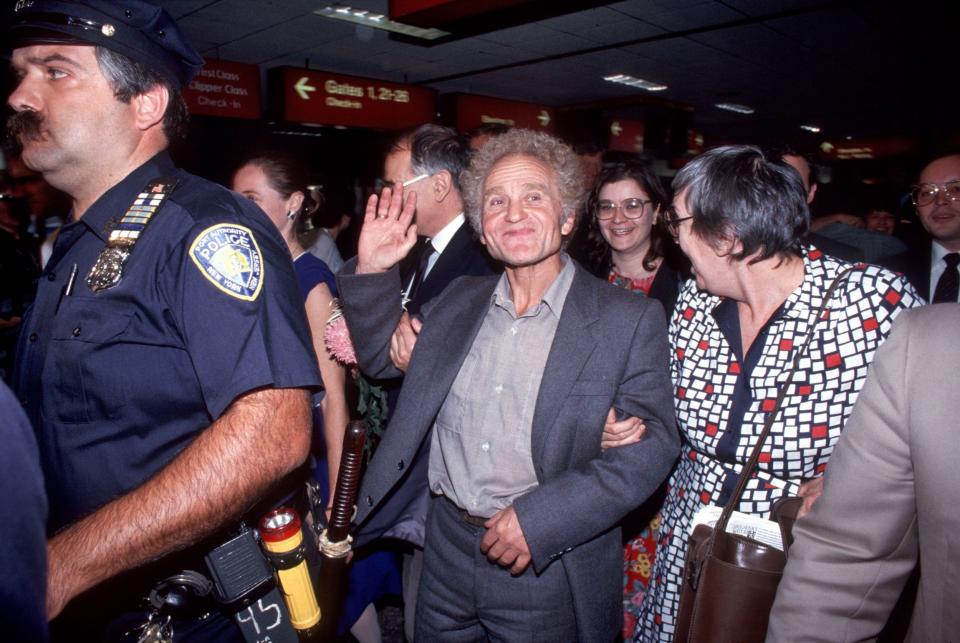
(620, 433)
(388, 231)
(809, 491)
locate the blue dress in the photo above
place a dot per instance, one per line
(312, 271)
(374, 573)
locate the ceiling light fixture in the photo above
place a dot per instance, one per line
(367, 18)
(811, 128)
(640, 83)
(735, 107)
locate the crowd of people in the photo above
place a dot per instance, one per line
(575, 364)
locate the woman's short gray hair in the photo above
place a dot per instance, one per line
(736, 191)
(554, 153)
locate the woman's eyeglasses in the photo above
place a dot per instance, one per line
(631, 208)
(671, 220)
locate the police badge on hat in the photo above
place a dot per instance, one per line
(228, 256)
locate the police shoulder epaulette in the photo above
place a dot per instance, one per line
(108, 268)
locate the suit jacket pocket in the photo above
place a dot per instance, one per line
(593, 387)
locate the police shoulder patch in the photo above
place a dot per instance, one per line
(228, 256)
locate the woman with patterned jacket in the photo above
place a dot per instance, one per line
(739, 218)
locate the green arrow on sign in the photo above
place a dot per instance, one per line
(544, 118)
(303, 89)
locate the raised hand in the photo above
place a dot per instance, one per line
(388, 231)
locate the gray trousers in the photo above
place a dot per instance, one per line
(464, 597)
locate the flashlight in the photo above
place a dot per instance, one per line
(283, 542)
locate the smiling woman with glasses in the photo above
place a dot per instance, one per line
(627, 247)
(626, 243)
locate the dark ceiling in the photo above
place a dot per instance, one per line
(859, 69)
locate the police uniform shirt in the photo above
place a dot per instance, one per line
(23, 523)
(118, 382)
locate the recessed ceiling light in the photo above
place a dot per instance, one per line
(811, 128)
(640, 83)
(347, 13)
(735, 107)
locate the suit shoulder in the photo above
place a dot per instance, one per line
(473, 254)
(621, 299)
(936, 323)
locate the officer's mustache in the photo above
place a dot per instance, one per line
(24, 126)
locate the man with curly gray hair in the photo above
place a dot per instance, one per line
(549, 150)
(511, 385)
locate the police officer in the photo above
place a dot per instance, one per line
(165, 364)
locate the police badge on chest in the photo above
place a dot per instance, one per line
(108, 268)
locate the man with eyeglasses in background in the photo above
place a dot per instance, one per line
(933, 270)
(427, 160)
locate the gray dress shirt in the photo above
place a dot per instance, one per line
(480, 456)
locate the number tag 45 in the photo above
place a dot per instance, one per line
(266, 621)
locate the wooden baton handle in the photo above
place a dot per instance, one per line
(348, 481)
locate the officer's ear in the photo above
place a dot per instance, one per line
(150, 106)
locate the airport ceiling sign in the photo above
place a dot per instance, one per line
(472, 111)
(317, 97)
(225, 88)
(626, 135)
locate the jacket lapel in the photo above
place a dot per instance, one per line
(573, 343)
(448, 266)
(450, 350)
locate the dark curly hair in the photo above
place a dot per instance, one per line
(598, 253)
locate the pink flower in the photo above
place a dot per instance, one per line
(337, 337)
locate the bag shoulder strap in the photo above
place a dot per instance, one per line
(747, 470)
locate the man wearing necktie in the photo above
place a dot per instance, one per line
(428, 160)
(934, 270)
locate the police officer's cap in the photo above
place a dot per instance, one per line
(139, 30)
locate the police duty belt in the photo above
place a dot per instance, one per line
(108, 268)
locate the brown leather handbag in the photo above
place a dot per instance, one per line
(730, 580)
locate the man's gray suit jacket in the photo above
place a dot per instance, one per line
(891, 493)
(610, 349)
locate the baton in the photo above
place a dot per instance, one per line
(334, 541)
(345, 495)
